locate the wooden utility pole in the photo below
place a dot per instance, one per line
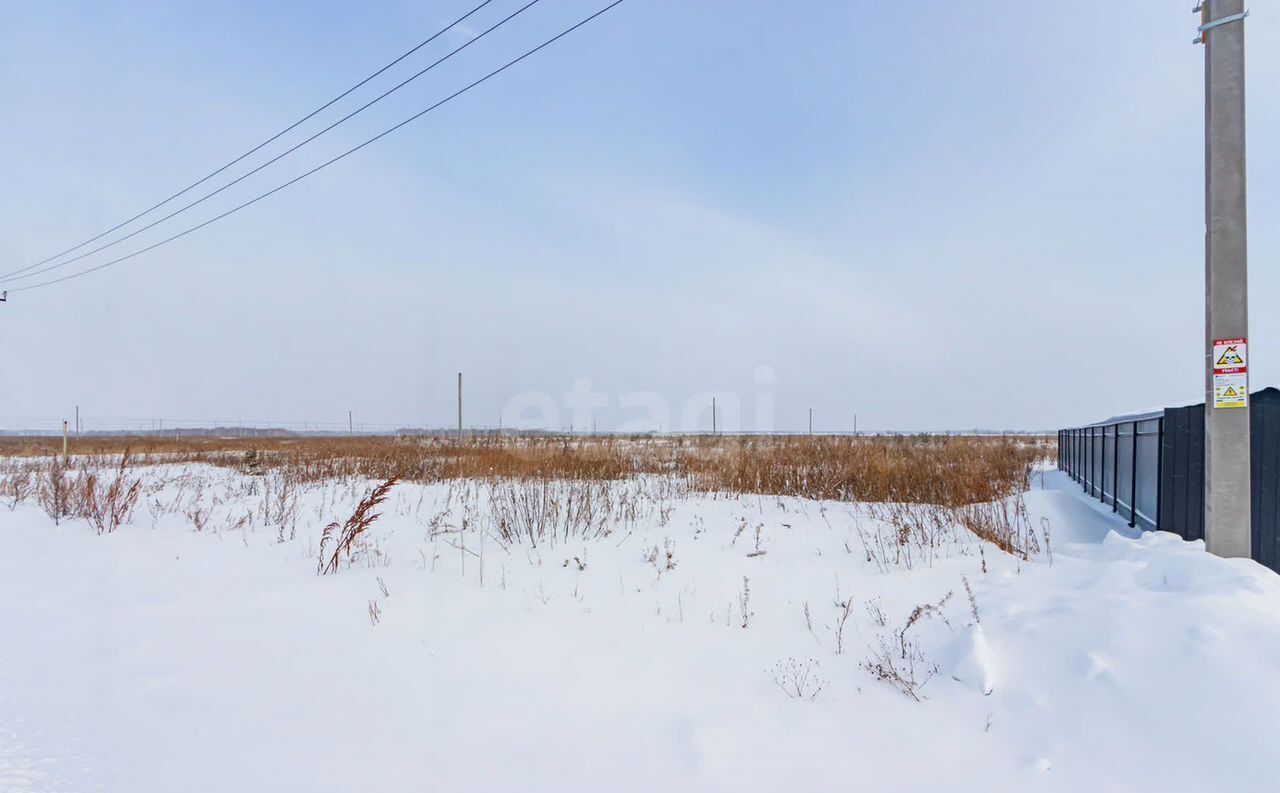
(1227, 492)
(459, 407)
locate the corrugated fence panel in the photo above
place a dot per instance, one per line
(1148, 473)
(1182, 482)
(1265, 420)
(1108, 465)
(1097, 473)
(1124, 470)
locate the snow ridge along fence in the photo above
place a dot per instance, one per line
(1150, 468)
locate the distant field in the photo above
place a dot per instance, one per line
(935, 469)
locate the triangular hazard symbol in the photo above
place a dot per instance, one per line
(1230, 358)
(1231, 391)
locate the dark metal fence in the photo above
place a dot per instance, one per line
(1150, 468)
(1118, 461)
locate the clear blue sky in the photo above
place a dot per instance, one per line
(936, 215)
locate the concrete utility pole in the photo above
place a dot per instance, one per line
(810, 421)
(459, 406)
(1227, 515)
(713, 415)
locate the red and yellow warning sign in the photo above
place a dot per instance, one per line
(1230, 373)
(1230, 355)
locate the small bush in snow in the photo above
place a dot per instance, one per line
(16, 487)
(897, 658)
(280, 505)
(53, 491)
(798, 680)
(252, 463)
(109, 504)
(973, 601)
(1003, 523)
(846, 608)
(664, 559)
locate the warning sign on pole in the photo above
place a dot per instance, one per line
(1230, 373)
(1230, 355)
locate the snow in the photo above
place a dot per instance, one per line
(159, 658)
(970, 659)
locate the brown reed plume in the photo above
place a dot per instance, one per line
(344, 537)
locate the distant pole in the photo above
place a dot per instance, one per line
(351, 428)
(64, 440)
(855, 425)
(1227, 493)
(713, 415)
(459, 406)
(810, 421)
(77, 420)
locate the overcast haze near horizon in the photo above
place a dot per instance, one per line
(935, 215)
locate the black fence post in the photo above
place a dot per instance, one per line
(1133, 480)
(1159, 470)
(1115, 468)
(1080, 455)
(1086, 440)
(1102, 465)
(1093, 441)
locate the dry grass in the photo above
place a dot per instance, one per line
(949, 471)
(109, 503)
(898, 659)
(928, 495)
(346, 539)
(922, 469)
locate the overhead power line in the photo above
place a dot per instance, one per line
(278, 157)
(327, 163)
(257, 148)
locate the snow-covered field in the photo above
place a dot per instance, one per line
(698, 644)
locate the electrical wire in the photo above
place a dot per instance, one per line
(279, 156)
(257, 148)
(327, 163)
